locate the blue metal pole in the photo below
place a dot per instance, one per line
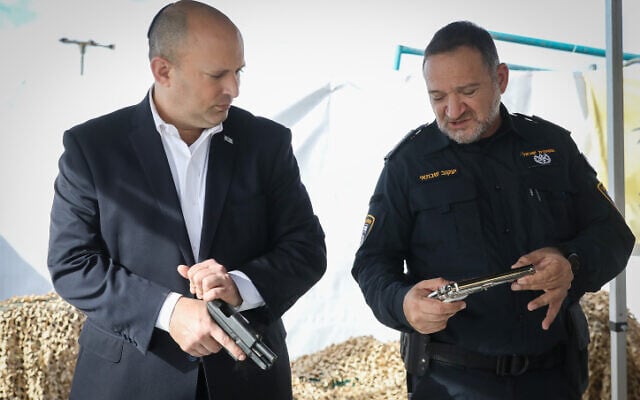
(550, 44)
(405, 50)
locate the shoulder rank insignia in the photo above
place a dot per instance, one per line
(540, 121)
(407, 138)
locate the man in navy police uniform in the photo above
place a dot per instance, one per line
(477, 192)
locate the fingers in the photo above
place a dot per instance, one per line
(202, 349)
(183, 270)
(553, 299)
(205, 276)
(431, 284)
(553, 271)
(433, 315)
(232, 347)
(196, 333)
(553, 276)
(427, 315)
(214, 340)
(552, 313)
(214, 286)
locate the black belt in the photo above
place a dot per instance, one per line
(502, 365)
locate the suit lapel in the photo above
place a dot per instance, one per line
(148, 147)
(222, 155)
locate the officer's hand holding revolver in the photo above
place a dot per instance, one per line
(553, 275)
(428, 315)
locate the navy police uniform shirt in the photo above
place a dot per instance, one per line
(459, 211)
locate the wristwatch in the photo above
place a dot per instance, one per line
(574, 260)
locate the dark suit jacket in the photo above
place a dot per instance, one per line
(117, 235)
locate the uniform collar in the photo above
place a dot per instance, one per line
(438, 140)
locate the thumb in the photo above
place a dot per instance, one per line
(183, 270)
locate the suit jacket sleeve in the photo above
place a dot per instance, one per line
(296, 255)
(81, 268)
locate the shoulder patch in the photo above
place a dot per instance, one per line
(368, 226)
(407, 138)
(604, 193)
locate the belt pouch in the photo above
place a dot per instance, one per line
(413, 348)
(577, 349)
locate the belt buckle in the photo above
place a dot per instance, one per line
(512, 365)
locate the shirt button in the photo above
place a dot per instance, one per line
(507, 230)
(498, 188)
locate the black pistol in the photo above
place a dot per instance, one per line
(238, 328)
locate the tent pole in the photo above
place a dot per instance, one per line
(553, 45)
(615, 156)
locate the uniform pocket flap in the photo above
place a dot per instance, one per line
(442, 194)
(549, 180)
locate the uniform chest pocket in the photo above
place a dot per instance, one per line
(549, 196)
(447, 229)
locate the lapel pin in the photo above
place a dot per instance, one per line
(228, 139)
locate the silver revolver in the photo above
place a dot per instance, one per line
(459, 290)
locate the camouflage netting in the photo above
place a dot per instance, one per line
(361, 368)
(38, 347)
(596, 307)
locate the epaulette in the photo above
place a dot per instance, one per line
(538, 121)
(407, 138)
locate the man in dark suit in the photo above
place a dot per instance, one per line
(182, 195)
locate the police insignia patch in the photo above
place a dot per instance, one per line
(368, 225)
(542, 159)
(603, 191)
(537, 158)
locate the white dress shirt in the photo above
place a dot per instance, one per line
(188, 166)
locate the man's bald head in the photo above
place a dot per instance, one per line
(170, 27)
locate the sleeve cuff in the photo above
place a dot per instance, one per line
(251, 298)
(399, 309)
(164, 317)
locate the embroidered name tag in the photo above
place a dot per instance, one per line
(438, 174)
(538, 158)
